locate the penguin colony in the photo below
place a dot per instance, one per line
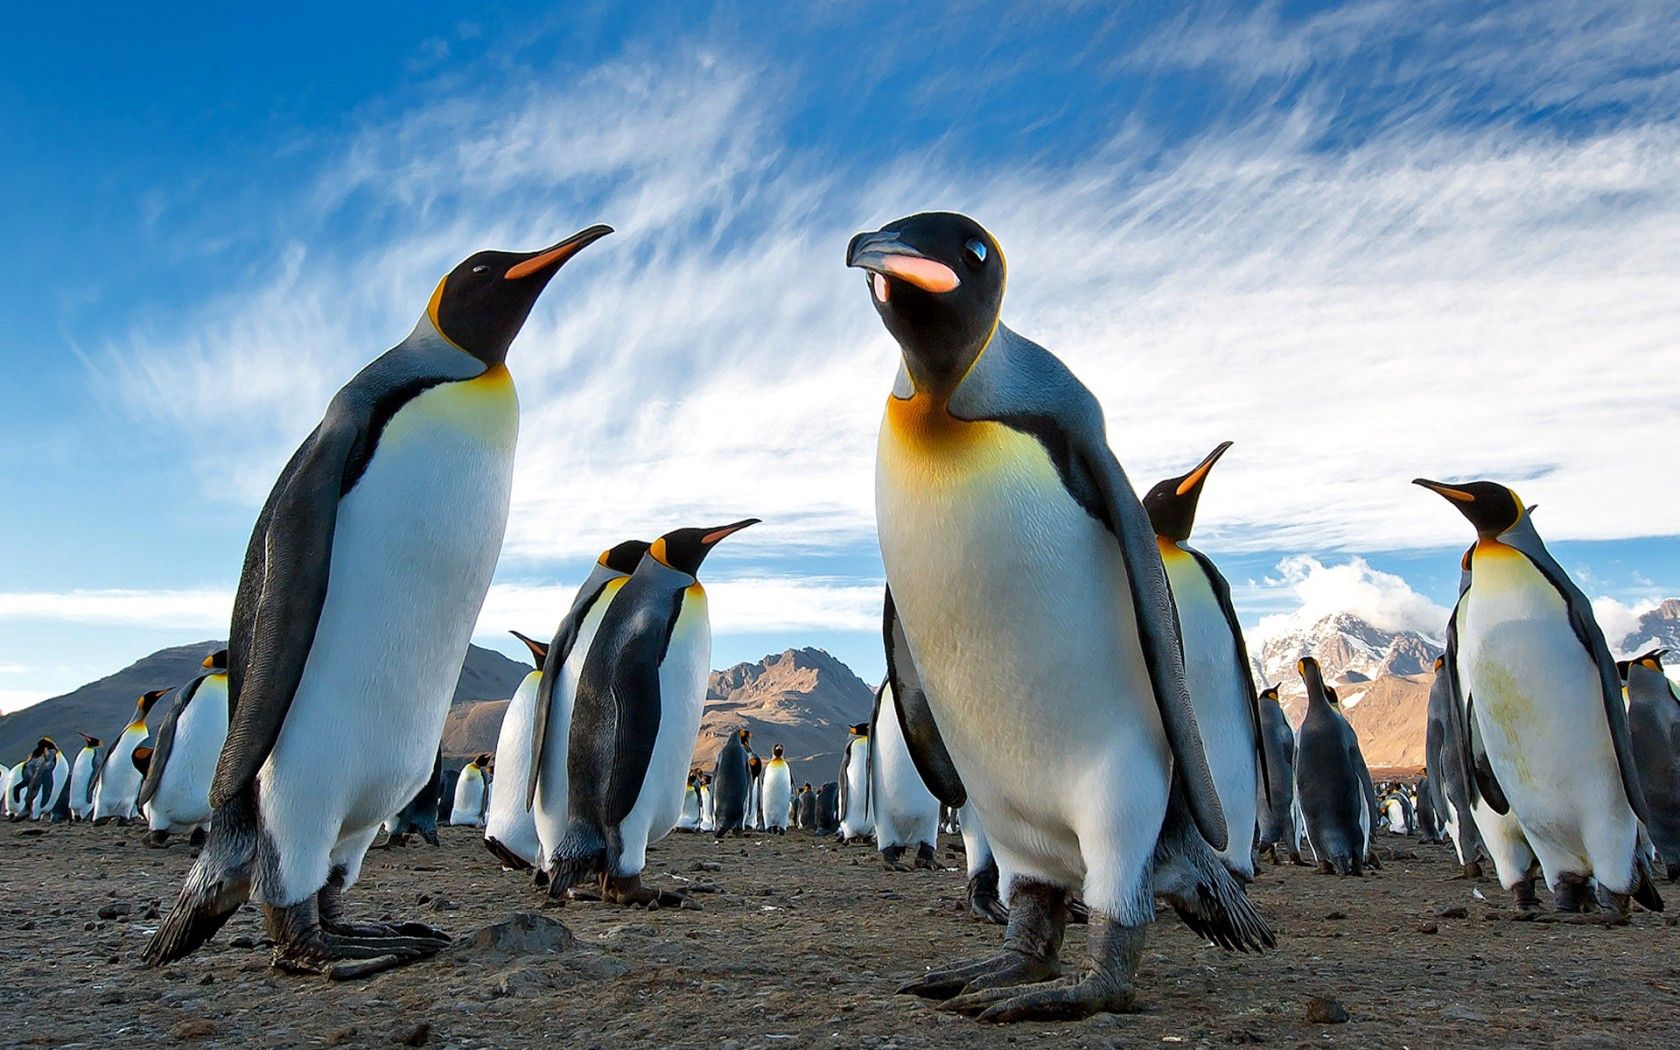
(1038, 615)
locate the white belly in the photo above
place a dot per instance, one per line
(119, 784)
(777, 791)
(182, 800)
(60, 783)
(906, 813)
(81, 782)
(468, 810)
(550, 809)
(1220, 693)
(857, 820)
(1017, 609)
(413, 551)
(1540, 714)
(508, 819)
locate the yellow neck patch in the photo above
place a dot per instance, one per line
(925, 423)
(432, 314)
(657, 549)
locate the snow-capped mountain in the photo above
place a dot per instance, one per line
(1659, 628)
(1351, 652)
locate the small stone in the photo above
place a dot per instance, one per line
(523, 933)
(193, 1031)
(705, 865)
(444, 904)
(208, 978)
(1335, 916)
(112, 911)
(1456, 912)
(1321, 1009)
(1428, 927)
(242, 941)
(341, 1037)
(412, 1035)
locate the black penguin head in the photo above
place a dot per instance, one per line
(539, 650)
(1307, 668)
(860, 729)
(1269, 693)
(1172, 503)
(42, 746)
(937, 281)
(142, 758)
(90, 741)
(685, 549)
(482, 303)
(1440, 662)
(746, 738)
(483, 761)
(1491, 507)
(144, 705)
(1651, 661)
(623, 557)
(776, 752)
(216, 662)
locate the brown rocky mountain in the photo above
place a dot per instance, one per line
(103, 707)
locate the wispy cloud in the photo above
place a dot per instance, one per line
(193, 609)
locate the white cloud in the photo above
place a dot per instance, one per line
(1618, 619)
(1382, 599)
(197, 609)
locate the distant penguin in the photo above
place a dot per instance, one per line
(510, 828)
(116, 790)
(87, 764)
(635, 719)
(1548, 733)
(805, 808)
(690, 819)
(365, 575)
(470, 789)
(1398, 809)
(1428, 814)
(708, 807)
(448, 780)
(15, 787)
(1276, 818)
(857, 818)
(775, 790)
(732, 784)
(1027, 588)
(906, 812)
(755, 773)
(1445, 774)
(46, 780)
(420, 815)
(1654, 727)
(57, 808)
(175, 797)
(1332, 797)
(827, 820)
(546, 787)
(1215, 660)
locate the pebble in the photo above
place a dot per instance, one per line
(1322, 1009)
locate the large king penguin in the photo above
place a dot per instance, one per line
(635, 717)
(732, 784)
(1277, 820)
(1654, 730)
(175, 796)
(775, 792)
(1215, 658)
(116, 785)
(82, 773)
(1547, 732)
(905, 811)
(510, 828)
(362, 582)
(1335, 805)
(545, 789)
(1445, 774)
(1030, 628)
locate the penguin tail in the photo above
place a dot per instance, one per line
(509, 859)
(1191, 877)
(581, 855)
(1645, 888)
(218, 883)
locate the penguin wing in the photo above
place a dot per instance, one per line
(1591, 637)
(559, 650)
(1239, 650)
(1023, 386)
(616, 715)
(915, 717)
(845, 763)
(165, 742)
(1480, 784)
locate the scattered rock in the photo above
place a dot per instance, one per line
(412, 1034)
(1335, 916)
(524, 933)
(341, 1037)
(705, 865)
(112, 911)
(194, 1030)
(1321, 1009)
(208, 978)
(242, 941)
(444, 904)
(1460, 1013)
(1428, 927)
(1455, 912)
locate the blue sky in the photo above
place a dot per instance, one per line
(1364, 241)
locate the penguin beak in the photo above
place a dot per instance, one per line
(1456, 495)
(723, 531)
(539, 651)
(1193, 480)
(551, 259)
(884, 255)
(208, 661)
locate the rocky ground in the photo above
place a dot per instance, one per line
(800, 943)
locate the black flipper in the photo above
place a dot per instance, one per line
(559, 651)
(1487, 785)
(1222, 593)
(164, 743)
(915, 716)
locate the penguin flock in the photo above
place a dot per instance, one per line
(1067, 685)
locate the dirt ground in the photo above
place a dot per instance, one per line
(801, 943)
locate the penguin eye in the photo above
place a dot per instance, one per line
(976, 251)
(480, 268)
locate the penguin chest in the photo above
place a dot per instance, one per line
(1535, 688)
(508, 811)
(184, 792)
(1016, 606)
(682, 695)
(1220, 689)
(414, 545)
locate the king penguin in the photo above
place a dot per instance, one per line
(1037, 633)
(175, 796)
(635, 717)
(1333, 799)
(1277, 822)
(1215, 659)
(755, 773)
(49, 781)
(116, 787)
(510, 828)
(857, 816)
(805, 808)
(471, 791)
(1654, 730)
(363, 580)
(906, 812)
(775, 792)
(690, 819)
(1446, 775)
(1547, 729)
(82, 773)
(732, 784)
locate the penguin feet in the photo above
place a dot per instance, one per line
(1104, 987)
(1523, 897)
(926, 858)
(1037, 920)
(301, 945)
(893, 858)
(157, 839)
(1573, 894)
(628, 891)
